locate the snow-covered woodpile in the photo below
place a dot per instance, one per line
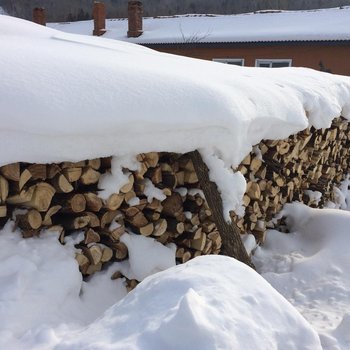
(163, 199)
(289, 170)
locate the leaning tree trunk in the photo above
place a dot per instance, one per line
(232, 244)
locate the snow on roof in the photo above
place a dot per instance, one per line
(314, 25)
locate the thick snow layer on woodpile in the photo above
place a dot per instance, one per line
(66, 97)
(83, 97)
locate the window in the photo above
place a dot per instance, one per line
(234, 61)
(273, 63)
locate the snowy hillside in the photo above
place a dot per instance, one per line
(71, 97)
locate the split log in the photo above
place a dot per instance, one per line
(129, 185)
(114, 201)
(3, 211)
(120, 251)
(116, 233)
(48, 215)
(107, 254)
(116, 275)
(42, 197)
(160, 227)
(94, 220)
(138, 220)
(38, 171)
(89, 176)
(94, 163)
(61, 184)
(172, 205)
(53, 170)
(94, 268)
(11, 171)
(75, 203)
(29, 221)
(94, 254)
(93, 202)
(23, 197)
(72, 174)
(91, 236)
(147, 230)
(106, 217)
(83, 263)
(24, 178)
(4, 189)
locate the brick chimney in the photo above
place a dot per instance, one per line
(39, 16)
(135, 12)
(99, 15)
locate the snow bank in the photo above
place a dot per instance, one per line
(310, 267)
(41, 287)
(325, 24)
(199, 305)
(44, 304)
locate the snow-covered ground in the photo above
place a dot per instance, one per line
(211, 302)
(325, 24)
(69, 97)
(310, 268)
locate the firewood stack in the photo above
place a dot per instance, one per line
(65, 197)
(281, 171)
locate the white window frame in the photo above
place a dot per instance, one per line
(230, 60)
(272, 60)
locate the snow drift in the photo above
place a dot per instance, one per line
(44, 304)
(310, 267)
(199, 305)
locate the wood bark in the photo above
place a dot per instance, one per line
(232, 244)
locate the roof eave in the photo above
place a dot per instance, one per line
(248, 43)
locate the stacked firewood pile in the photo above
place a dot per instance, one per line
(65, 197)
(281, 171)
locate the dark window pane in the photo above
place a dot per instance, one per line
(280, 64)
(236, 63)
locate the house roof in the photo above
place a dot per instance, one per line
(265, 26)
